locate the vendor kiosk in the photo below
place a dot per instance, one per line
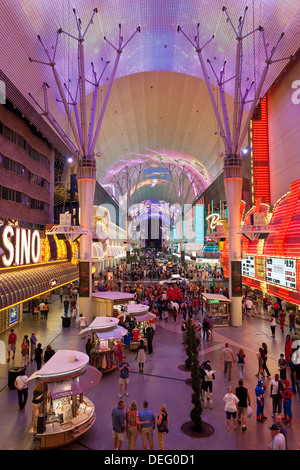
(139, 318)
(64, 413)
(110, 304)
(216, 306)
(106, 343)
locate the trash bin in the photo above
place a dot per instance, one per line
(66, 321)
(12, 375)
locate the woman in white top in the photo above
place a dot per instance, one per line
(231, 402)
(272, 321)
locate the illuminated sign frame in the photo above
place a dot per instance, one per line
(248, 266)
(19, 246)
(13, 314)
(285, 275)
(282, 272)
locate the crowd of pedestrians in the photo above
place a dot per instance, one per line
(169, 303)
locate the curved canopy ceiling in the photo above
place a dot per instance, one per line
(159, 104)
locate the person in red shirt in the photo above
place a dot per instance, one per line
(195, 305)
(179, 295)
(292, 321)
(276, 308)
(169, 294)
(136, 334)
(282, 320)
(12, 341)
(288, 348)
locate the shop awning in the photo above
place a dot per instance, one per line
(77, 385)
(18, 285)
(97, 251)
(147, 317)
(115, 333)
(105, 328)
(113, 296)
(137, 309)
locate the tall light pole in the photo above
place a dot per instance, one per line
(233, 137)
(84, 141)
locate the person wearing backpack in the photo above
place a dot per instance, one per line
(208, 384)
(162, 425)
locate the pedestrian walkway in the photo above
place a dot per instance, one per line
(163, 381)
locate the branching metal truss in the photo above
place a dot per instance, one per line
(233, 136)
(85, 132)
(126, 182)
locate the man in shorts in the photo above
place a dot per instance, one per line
(244, 401)
(12, 341)
(249, 306)
(124, 376)
(118, 422)
(147, 429)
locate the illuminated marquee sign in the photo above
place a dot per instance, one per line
(19, 246)
(213, 219)
(199, 224)
(248, 266)
(13, 314)
(260, 268)
(281, 271)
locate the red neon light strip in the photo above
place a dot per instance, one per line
(261, 171)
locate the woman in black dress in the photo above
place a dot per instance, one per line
(265, 357)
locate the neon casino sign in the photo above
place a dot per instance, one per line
(19, 246)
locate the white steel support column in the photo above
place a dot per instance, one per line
(86, 181)
(233, 182)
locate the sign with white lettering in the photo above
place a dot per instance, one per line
(248, 266)
(19, 246)
(281, 272)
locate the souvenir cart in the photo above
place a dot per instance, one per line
(217, 306)
(138, 318)
(110, 304)
(106, 343)
(64, 413)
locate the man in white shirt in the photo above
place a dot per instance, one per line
(227, 355)
(275, 389)
(82, 323)
(249, 306)
(278, 442)
(22, 389)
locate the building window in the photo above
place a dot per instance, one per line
(19, 169)
(21, 142)
(21, 198)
